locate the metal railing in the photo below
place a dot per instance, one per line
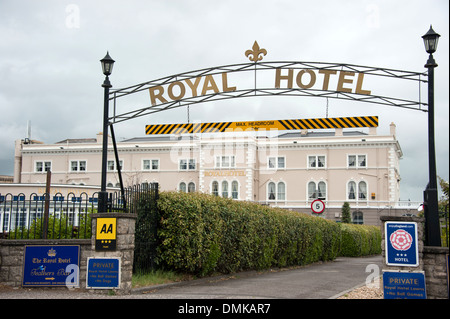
(58, 216)
(42, 216)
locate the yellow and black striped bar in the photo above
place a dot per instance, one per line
(295, 124)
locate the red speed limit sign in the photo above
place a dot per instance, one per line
(317, 206)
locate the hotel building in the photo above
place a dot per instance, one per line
(289, 170)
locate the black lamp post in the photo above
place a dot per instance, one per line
(432, 226)
(107, 66)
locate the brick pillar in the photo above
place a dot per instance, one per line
(125, 246)
(432, 260)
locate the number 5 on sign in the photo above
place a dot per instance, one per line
(317, 206)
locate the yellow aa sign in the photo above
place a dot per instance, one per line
(106, 228)
(106, 234)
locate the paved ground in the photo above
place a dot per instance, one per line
(317, 281)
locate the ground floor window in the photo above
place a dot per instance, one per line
(276, 191)
(190, 187)
(358, 217)
(215, 188)
(317, 190)
(225, 189)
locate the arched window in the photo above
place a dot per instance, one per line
(234, 190)
(191, 187)
(317, 191)
(362, 190)
(351, 190)
(182, 187)
(224, 189)
(357, 191)
(271, 191)
(276, 191)
(215, 188)
(322, 190)
(281, 191)
(312, 190)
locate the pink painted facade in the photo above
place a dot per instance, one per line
(289, 170)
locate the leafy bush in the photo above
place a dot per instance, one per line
(360, 240)
(201, 234)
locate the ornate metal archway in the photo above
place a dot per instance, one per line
(288, 78)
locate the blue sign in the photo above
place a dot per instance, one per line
(402, 248)
(51, 266)
(103, 273)
(404, 285)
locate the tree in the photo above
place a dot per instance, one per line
(346, 213)
(444, 199)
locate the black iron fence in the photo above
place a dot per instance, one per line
(45, 216)
(41, 216)
(146, 239)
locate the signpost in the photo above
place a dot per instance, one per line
(105, 239)
(317, 206)
(401, 247)
(103, 272)
(50, 266)
(404, 285)
(401, 244)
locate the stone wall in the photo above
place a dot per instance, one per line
(125, 247)
(434, 265)
(12, 253)
(432, 260)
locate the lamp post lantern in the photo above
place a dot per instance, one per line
(432, 226)
(107, 66)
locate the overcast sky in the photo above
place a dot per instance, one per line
(50, 72)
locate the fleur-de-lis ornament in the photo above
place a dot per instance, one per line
(253, 54)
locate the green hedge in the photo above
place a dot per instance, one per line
(201, 234)
(360, 240)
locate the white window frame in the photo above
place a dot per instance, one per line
(189, 163)
(276, 191)
(357, 161)
(217, 192)
(274, 162)
(78, 166)
(279, 193)
(316, 190)
(113, 168)
(357, 192)
(44, 166)
(229, 189)
(150, 164)
(234, 194)
(225, 161)
(316, 161)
